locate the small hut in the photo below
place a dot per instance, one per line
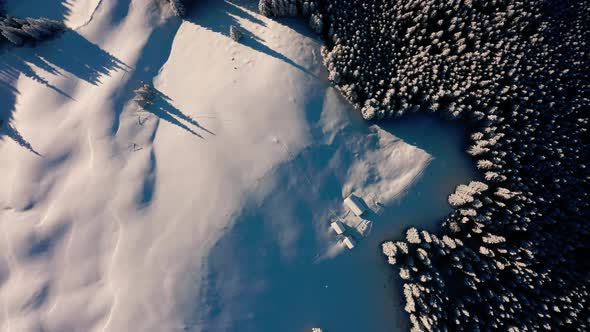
(349, 242)
(355, 204)
(337, 227)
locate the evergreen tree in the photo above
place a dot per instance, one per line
(18, 31)
(235, 33)
(179, 7)
(512, 254)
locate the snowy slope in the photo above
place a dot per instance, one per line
(114, 219)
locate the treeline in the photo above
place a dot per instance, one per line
(21, 31)
(179, 7)
(513, 253)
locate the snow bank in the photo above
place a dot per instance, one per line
(387, 169)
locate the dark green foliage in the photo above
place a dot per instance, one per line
(515, 254)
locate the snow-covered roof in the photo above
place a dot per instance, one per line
(337, 227)
(349, 242)
(355, 205)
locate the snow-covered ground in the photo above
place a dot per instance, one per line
(211, 211)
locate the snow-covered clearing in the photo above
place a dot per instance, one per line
(211, 211)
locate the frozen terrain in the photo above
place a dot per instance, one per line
(211, 210)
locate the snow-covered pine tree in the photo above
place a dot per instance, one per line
(235, 33)
(145, 96)
(19, 32)
(179, 7)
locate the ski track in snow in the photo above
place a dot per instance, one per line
(98, 3)
(124, 222)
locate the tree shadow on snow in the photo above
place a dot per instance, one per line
(78, 56)
(152, 58)
(218, 16)
(164, 110)
(8, 95)
(68, 55)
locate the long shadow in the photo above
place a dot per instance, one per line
(119, 12)
(8, 95)
(219, 15)
(69, 54)
(229, 7)
(164, 110)
(13, 65)
(13, 133)
(76, 55)
(251, 5)
(153, 57)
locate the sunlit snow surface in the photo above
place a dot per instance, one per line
(211, 211)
